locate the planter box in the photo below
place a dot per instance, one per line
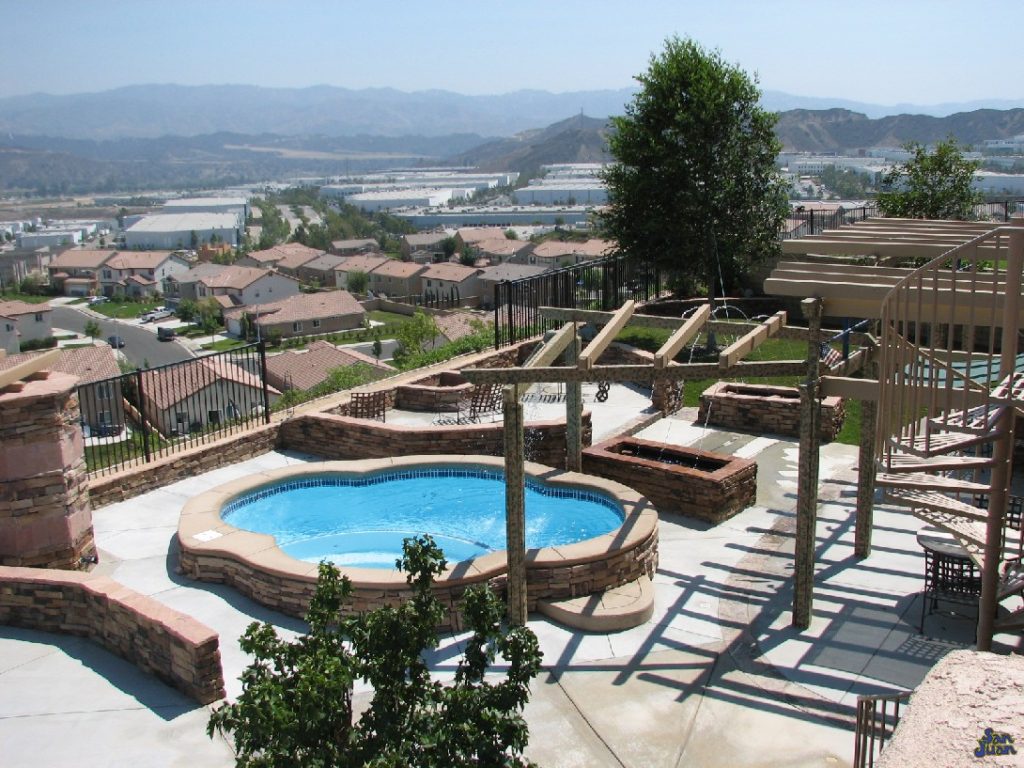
(677, 480)
(764, 409)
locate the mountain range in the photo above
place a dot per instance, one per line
(150, 111)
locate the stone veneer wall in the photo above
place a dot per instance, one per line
(765, 409)
(45, 515)
(441, 392)
(712, 496)
(162, 641)
(110, 489)
(342, 437)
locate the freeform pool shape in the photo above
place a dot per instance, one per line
(216, 551)
(362, 520)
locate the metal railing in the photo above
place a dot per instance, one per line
(144, 415)
(600, 284)
(877, 717)
(816, 222)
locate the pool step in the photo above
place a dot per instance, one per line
(622, 607)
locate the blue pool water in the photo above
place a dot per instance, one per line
(362, 521)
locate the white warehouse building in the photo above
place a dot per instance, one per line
(406, 198)
(174, 230)
(236, 205)
(566, 193)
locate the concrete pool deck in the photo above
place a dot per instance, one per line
(716, 678)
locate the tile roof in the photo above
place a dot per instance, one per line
(427, 238)
(509, 271)
(296, 255)
(475, 235)
(357, 243)
(171, 384)
(310, 306)
(237, 277)
(80, 258)
(137, 259)
(304, 370)
(18, 307)
(455, 325)
(501, 247)
(401, 269)
(87, 363)
(450, 271)
(361, 263)
(554, 249)
(325, 263)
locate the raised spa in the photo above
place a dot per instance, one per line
(362, 520)
(214, 548)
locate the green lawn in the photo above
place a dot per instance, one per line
(224, 344)
(125, 310)
(28, 298)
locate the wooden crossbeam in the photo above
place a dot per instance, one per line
(546, 353)
(751, 341)
(642, 374)
(880, 248)
(27, 368)
(681, 337)
(606, 335)
(597, 317)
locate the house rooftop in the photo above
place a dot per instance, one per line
(87, 363)
(81, 258)
(18, 307)
(310, 306)
(304, 370)
(450, 271)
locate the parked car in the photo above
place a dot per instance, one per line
(158, 313)
(98, 299)
(165, 334)
(115, 341)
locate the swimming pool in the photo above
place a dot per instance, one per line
(363, 520)
(213, 549)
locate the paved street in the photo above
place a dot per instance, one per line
(141, 344)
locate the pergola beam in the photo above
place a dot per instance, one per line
(642, 374)
(30, 366)
(682, 336)
(751, 341)
(606, 335)
(546, 353)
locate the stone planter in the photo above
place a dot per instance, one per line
(764, 409)
(676, 479)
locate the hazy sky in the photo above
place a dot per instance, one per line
(899, 51)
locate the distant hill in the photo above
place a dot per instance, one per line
(576, 140)
(840, 130)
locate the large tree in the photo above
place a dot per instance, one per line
(932, 184)
(694, 187)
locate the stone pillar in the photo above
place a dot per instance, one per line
(807, 481)
(573, 412)
(866, 471)
(45, 515)
(515, 508)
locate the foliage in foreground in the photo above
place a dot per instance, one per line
(296, 704)
(931, 185)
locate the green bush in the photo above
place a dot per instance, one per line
(33, 344)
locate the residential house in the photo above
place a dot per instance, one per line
(556, 253)
(32, 322)
(307, 314)
(427, 241)
(76, 271)
(9, 335)
(491, 276)
(240, 285)
(354, 246)
(454, 325)
(139, 274)
(366, 263)
(450, 282)
(397, 279)
(306, 369)
(101, 406)
(320, 271)
(285, 258)
(467, 237)
(498, 251)
(201, 393)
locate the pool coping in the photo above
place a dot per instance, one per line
(205, 538)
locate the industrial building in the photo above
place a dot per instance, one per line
(171, 231)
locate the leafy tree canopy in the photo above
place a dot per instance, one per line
(296, 706)
(931, 185)
(694, 188)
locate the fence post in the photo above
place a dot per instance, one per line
(143, 422)
(262, 346)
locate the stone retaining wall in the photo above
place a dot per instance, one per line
(256, 567)
(343, 437)
(679, 487)
(109, 489)
(441, 392)
(765, 409)
(175, 647)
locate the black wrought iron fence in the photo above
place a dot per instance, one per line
(602, 284)
(148, 414)
(815, 221)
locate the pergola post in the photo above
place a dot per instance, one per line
(515, 507)
(866, 471)
(807, 483)
(573, 412)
